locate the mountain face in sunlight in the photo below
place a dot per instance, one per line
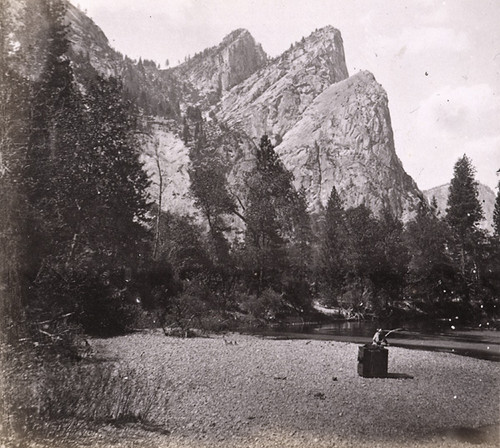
(329, 128)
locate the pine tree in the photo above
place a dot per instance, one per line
(269, 200)
(464, 210)
(186, 135)
(361, 257)
(431, 277)
(392, 259)
(363, 236)
(333, 246)
(301, 235)
(299, 273)
(56, 116)
(463, 214)
(86, 190)
(496, 213)
(434, 206)
(119, 202)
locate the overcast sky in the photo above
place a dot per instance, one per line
(439, 61)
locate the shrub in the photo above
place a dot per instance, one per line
(357, 294)
(298, 294)
(184, 311)
(102, 303)
(265, 306)
(109, 306)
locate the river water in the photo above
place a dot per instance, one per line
(442, 336)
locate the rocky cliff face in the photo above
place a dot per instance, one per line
(218, 69)
(272, 100)
(330, 129)
(165, 155)
(88, 39)
(344, 139)
(155, 91)
(486, 198)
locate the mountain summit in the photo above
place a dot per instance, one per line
(218, 69)
(272, 99)
(344, 139)
(329, 128)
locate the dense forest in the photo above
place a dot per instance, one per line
(86, 250)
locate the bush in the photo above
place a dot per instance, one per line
(104, 315)
(108, 306)
(102, 303)
(357, 293)
(184, 311)
(217, 322)
(266, 306)
(298, 295)
(156, 283)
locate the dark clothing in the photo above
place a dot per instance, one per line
(379, 337)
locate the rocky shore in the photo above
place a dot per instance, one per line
(244, 391)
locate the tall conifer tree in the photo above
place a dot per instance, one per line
(333, 246)
(463, 214)
(496, 213)
(56, 118)
(85, 186)
(430, 277)
(464, 211)
(271, 199)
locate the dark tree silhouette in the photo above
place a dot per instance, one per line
(333, 247)
(463, 214)
(496, 213)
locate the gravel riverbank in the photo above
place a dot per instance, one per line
(246, 391)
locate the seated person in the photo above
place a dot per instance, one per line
(379, 337)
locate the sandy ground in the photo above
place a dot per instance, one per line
(246, 391)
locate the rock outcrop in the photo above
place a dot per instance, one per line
(165, 155)
(272, 100)
(155, 91)
(344, 139)
(218, 69)
(89, 40)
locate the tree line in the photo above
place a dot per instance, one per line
(84, 248)
(352, 259)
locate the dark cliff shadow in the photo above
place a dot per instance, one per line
(400, 376)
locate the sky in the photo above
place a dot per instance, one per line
(439, 61)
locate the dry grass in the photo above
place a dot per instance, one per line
(39, 393)
(101, 392)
